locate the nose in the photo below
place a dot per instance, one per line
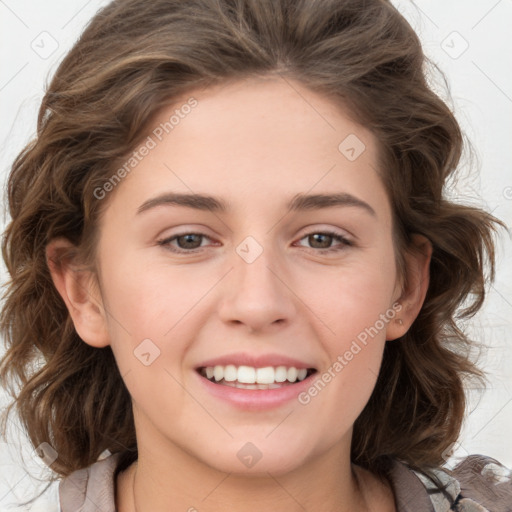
(256, 293)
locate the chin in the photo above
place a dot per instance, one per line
(275, 465)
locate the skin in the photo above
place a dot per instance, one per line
(254, 143)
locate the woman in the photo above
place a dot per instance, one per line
(253, 368)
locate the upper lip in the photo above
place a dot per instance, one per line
(261, 361)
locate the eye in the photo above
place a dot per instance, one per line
(187, 242)
(191, 242)
(325, 238)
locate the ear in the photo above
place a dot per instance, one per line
(78, 287)
(415, 286)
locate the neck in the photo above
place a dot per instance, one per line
(145, 486)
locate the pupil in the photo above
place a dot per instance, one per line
(327, 237)
(188, 241)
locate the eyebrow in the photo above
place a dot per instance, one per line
(299, 202)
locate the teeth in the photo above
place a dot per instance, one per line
(218, 373)
(266, 376)
(230, 373)
(280, 374)
(292, 374)
(301, 374)
(252, 386)
(245, 375)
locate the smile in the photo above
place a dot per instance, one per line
(249, 377)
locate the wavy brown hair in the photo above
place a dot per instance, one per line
(135, 57)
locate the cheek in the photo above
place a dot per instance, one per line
(354, 307)
(149, 299)
(352, 298)
(353, 311)
(151, 314)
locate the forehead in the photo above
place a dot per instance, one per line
(258, 141)
(267, 116)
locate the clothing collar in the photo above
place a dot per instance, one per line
(93, 489)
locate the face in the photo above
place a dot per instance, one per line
(246, 280)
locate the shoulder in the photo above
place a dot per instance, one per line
(486, 482)
(476, 484)
(90, 489)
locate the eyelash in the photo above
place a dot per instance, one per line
(336, 236)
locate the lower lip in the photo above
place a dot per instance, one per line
(256, 399)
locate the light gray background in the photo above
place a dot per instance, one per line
(470, 41)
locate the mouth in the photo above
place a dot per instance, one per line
(248, 377)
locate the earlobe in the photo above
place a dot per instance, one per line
(78, 288)
(417, 278)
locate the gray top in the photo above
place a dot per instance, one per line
(479, 484)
